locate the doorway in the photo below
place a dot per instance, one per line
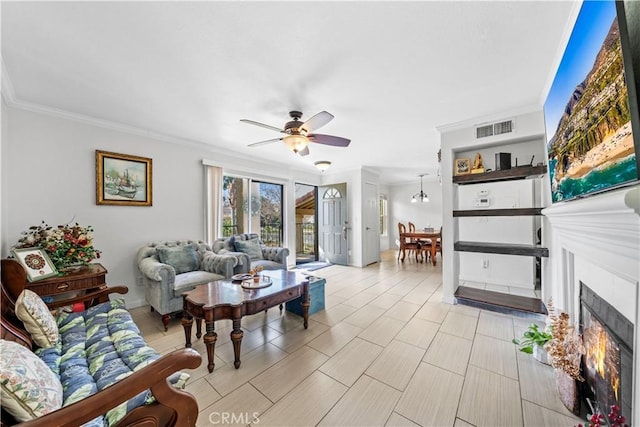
(371, 224)
(333, 229)
(306, 223)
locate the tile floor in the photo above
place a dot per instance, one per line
(385, 351)
(512, 290)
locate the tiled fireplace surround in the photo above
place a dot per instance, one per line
(597, 241)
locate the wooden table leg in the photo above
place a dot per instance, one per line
(306, 302)
(210, 339)
(433, 251)
(198, 328)
(187, 321)
(236, 338)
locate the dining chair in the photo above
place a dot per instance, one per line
(425, 244)
(407, 244)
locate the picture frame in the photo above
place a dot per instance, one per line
(462, 166)
(123, 179)
(36, 263)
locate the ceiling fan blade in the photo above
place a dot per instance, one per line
(317, 121)
(268, 141)
(304, 152)
(336, 141)
(251, 122)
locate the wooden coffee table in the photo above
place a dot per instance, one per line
(226, 299)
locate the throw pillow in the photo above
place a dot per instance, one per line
(37, 319)
(182, 258)
(251, 248)
(29, 388)
(230, 243)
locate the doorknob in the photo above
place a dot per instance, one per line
(344, 230)
(367, 228)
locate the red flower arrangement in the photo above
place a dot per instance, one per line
(66, 244)
(615, 419)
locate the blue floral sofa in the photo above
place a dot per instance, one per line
(90, 367)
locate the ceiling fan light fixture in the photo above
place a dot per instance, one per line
(296, 142)
(323, 165)
(421, 196)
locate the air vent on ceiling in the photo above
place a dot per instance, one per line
(484, 131)
(494, 129)
(503, 127)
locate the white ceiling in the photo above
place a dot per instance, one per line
(390, 72)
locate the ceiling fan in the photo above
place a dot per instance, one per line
(299, 134)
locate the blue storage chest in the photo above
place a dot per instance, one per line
(316, 295)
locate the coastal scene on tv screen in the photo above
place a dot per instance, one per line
(587, 118)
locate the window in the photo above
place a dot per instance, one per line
(332, 193)
(270, 212)
(250, 206)
(383, 215)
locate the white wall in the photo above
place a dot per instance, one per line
(3, 138)
(48, 173)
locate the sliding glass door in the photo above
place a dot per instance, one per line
(306, 220)
(251, 206)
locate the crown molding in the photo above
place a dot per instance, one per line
(12, 101)
(490, 118)
(108, 124)
(9, 96)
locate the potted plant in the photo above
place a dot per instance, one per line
(533, 341)
(565, 350)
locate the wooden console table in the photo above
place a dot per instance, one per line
(87, 278)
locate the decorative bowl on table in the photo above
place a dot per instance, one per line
(262, 282)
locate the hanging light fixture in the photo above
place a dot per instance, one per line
(296, 142)
(422, 196)
(323, 165)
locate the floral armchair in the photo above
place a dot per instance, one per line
(170, 268)
(251, 252)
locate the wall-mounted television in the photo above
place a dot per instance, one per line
(592, 136)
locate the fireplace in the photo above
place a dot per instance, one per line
(607, 364)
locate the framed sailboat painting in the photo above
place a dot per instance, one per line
(122, 179)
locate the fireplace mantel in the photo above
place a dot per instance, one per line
(604, 229)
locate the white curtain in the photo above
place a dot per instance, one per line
(213, 202)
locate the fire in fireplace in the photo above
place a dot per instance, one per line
(607, 364)
(601, 361)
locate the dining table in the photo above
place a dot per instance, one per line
(421, 236)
